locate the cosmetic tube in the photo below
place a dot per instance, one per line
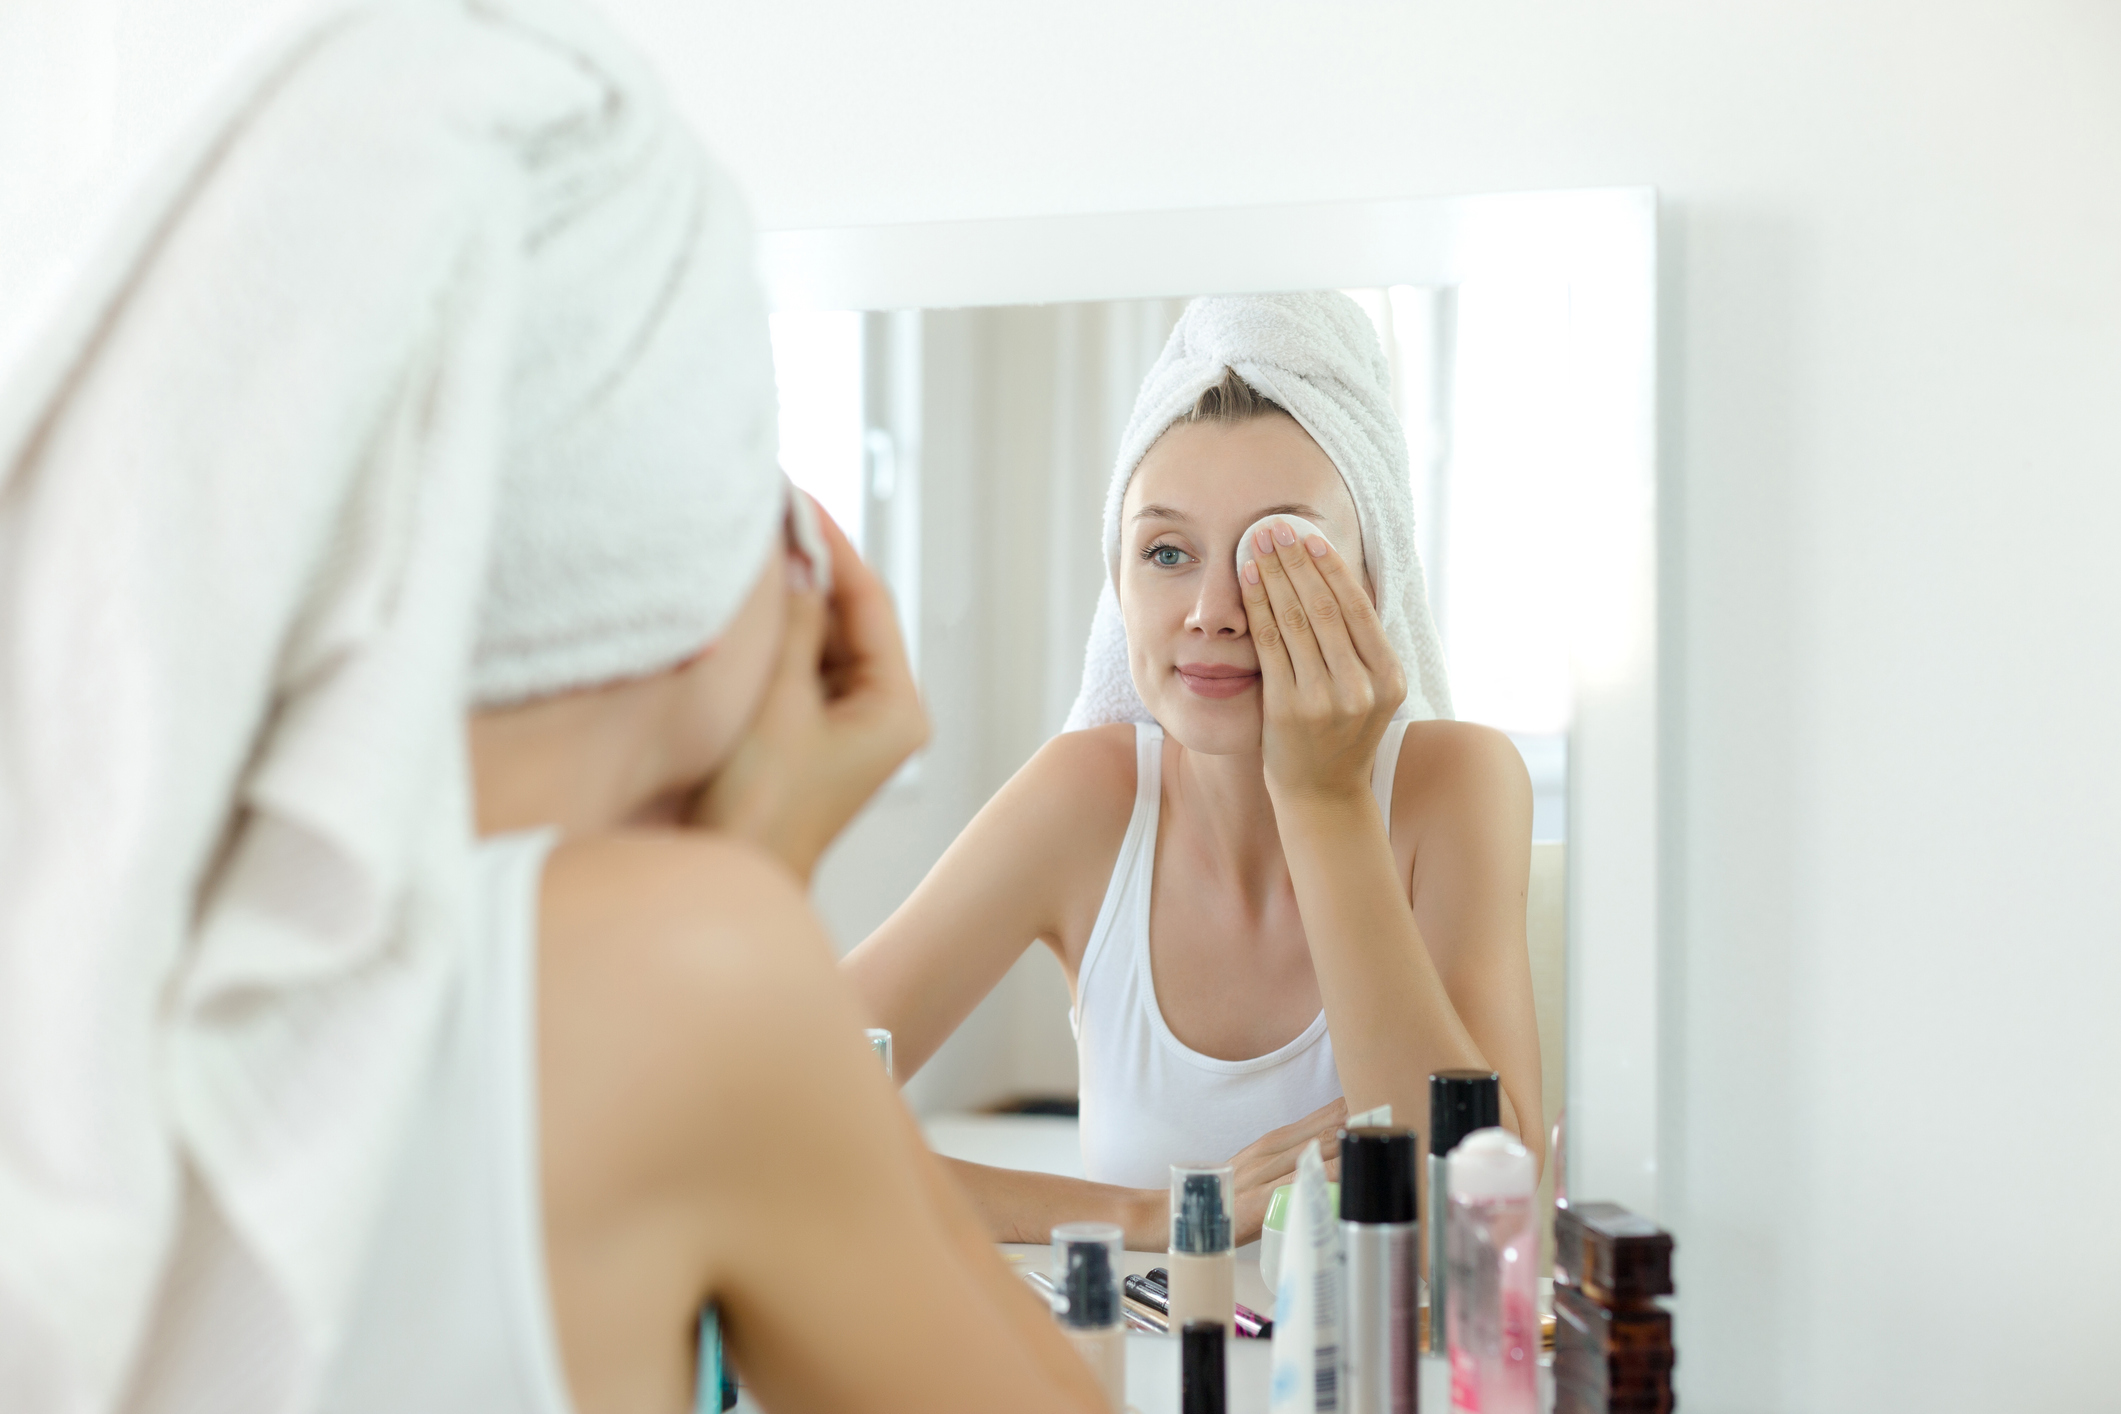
(1383, 1243)
(1086, 1268)
(1491, 1242)
(1203, 1259)
(1460, 1101)
(1201, 1374)
(880, 1044)
(1308, 1304)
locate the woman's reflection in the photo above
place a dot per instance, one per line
(1264, 782)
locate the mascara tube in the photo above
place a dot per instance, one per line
(1383, 1244)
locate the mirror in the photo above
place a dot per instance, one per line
(955, 395)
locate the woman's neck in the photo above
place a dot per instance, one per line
(583, 762)
(1221, 805)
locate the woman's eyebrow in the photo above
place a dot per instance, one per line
(1292, 508)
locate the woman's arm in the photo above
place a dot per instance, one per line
(1400, 1003)
(714, 1128)
(1032, 865)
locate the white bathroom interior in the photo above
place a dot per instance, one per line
(1861, 934)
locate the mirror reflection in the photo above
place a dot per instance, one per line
(1000, 898)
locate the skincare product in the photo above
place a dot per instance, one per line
(1613, 1350)
(1203, 1260)
(1086, 1268)
(1275, 1230)
(1201, 1376)
(1383, 1245)
(1491, 1242)
(1460, 1101)
(880, 1043)
(1307, 1303)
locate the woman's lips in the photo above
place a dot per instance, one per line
(1216, 680)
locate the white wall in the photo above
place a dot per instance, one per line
(1893, 440)
(1893, 349)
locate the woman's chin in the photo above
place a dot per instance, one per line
(1228, 726)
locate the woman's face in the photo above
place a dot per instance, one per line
(1188, 643)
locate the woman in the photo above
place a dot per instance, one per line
(1281, 885)
(433, 377)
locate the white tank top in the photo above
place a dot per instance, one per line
(1148, 1099)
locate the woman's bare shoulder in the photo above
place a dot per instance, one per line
(1078, 784)
(1459, 771)
(1094, 763)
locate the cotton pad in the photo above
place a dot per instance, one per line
(1247, 551)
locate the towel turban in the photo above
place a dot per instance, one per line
(1316, 355)
(430, 372)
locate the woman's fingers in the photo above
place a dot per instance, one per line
(864, 648)
(1292, 618)
(1276, 669)
(1270, 1161)
(1365, 630)
(1325, 609)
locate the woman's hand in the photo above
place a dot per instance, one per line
(1270, 1161)
(840, 715)
(1329, 682)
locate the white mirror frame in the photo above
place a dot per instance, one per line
(1603, 244)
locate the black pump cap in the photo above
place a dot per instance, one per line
(1461, 1101)
(1377, 1174)
(1202, 1224)
(1200, 1368)
(1091, 1288)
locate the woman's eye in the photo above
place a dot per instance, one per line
(1169, 556)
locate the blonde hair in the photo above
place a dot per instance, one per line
(1231, 400)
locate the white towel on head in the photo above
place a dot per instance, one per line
(246, 485)
(1316, 355)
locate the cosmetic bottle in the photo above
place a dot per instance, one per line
(1491, 1242)
(1307, 1303)
(1460, 1101)
(1086, 1267)
(1203, 1261)
(880, 1046)
(1612, 1341)
(1201, 1374)
(1383, 1245)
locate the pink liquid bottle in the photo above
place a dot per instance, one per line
(1492, 1242)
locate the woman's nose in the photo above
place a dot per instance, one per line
(1219, 612)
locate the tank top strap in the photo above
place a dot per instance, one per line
(1126, 898)
(1386, 771)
